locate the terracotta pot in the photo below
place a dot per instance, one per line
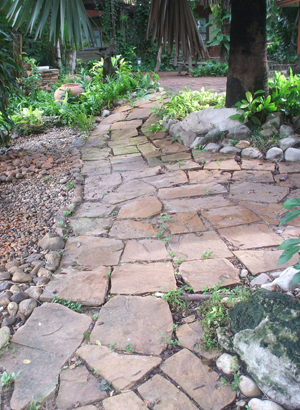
(73, 88)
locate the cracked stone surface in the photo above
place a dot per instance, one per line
(191, 190)
(129, 229)
(253, 176)
(141, 208)
(168, 179)
(230, 216)
(144, 250)
(93, 210)
(256, 192)
(205, 176)
(196, 204)
(89, 226)
(185, 222)
(129, 190)
(124, 401)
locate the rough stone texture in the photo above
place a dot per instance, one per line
(248, 387)
(87, 287)
(129, 229)
(209, 272)
(256, 404)
(266, 336)
(196, 204)
(257, 164)
(141, 208)
(120, 370)
(260, 280)
(142, 321)
(93, 210)
(227, 363)
(96, 187)
(92, 251)
(255, 192)
(191, 374)
(78, 387)
(251, 153)
(185, 222)
(88, 226)
(165, 394)
(288, 142)
(253, 176)
(284, 281)
(121, 150)
(239, 132)
(124, 401)
(96, 168)
(51, 241)
(168, 179)
(191, 190)
(139, 279)
(207, 176)
(292, 155)
(274, 154)
(286, 131)
(4, 336)
(290, 180)
(230, 216)
(193, 246)
(271, 213)
(212, 147)
(251, 236)
(129, 190)
(223, 164)
(126, 125)
(230, 150)
(144, 250)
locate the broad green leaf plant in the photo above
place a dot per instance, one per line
(291, 246)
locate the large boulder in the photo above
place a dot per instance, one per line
(267, 338)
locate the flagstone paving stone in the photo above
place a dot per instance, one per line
(122, 108)
(251, 236)
(153, 135)
(129, 229)
(122, 371)
(167, 179)
(145, 250)
(191, 190)
(191, 246)
(129, 190)
(136, 174)
(290, 232)
(92, 251)
(287, 168)
(209, 272)
(270, 213)
(89, 287)
(121, 150)
(149, 151)
(78, 387)
(145, 322)
(125, 125)
(96, 168)
(260, 261)
(124, 401)
(95, 142)
(154, 161)
(253, 176)
(256, 192)
(100, 130)
(136, 279)
(89, 226)
(141, 208)
(183, 165)
(95, 154)
(168, 146)
(257, 164)
(165, 394)
(180, 156)
(124, 134)
(93, 210)
(226, 165)
(127, 142)
(205, 176)
(289, 180)
(114, 117)
(205, 157)
(139, 113)
(185, 222)
(125, 158)
(96, 187)
(196, 204)
(191, 374)
(230, 216)
(138, 165)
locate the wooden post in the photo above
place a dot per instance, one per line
(158, 59)
(17, 49)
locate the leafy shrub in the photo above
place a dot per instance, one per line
(285, 93)
(211, 69)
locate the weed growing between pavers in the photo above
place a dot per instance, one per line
(76, 306)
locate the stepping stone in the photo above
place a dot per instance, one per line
(96, 187)
(154, 162)
(115, 117)
(122, 371)
(191, 246)
(205, 176)
(185, 222)
(209, 272)
(96, 168)
(124, 401)
(251, 236)
(191, 190)
(125, 125)
(147, 172)
(165, 394)
(92, 251)
(78, 387)
(89, 287)
(141, 208)
(205, 157)
(129, 229)
(261, 261)
(120, 159)
(257, 165)
(95, 154)
(93, 210)
(196, 204)
(149, 151)
(139, 113)
(198, 380)
(226, 165)
(289, 180)
(255, 192)
(124, 134)
(121, 150)
(144, 250)
(100, 130)
(129, 190)
(145, 322)
(138, 279)
(180, 156)
(154, 135)
(270, 213)
(230, 216)
(139, 140)
(264, 177)
(290, 232)
(138, 165)
(168, 179)
(168, 146)
(287, 168)
(150, 121)
(95, 142)
(122, 108)
(89, 226)
(184, 166)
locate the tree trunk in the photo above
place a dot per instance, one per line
(71, 61)
(247, 70)
(158, 62)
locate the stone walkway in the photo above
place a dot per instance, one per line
(151, 212)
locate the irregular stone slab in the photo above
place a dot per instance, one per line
(138, 165)
(138, 140)
(209, 272)
(115, 117)
(191, 190)
(100, 130)
(88, 287)
(154, 161)
(165, 394)
(184, 165)
(146, 278)
(226, 165)
(125, 125)
(129, 190)
(121, 150)
(290, 180)
(95, 154)
(139, 113)
(92, 251)
(168, 179)
(191, 246)
(95, 142)
(196, 204)
(198, 380)
(287, 167)
(146, 322)
(205, 176)
(271, 213)
(150, 121)
(93, 210)
(263, 261)
(124, 401)
(120, 370)
(51, 241)
(78, 387)
(205, 157)
(230, 216)
(141, 208)
(123, 108)
(48, 328)
(129, 229)
(253, 176)
(251, 236)
(88, 226)
(255, 192)
(154, 135)
(147, 172)
(96, 187)
(126, 158)
(96, 168)
(149, 151)
(257, 404)
(168, 146)
(180, 156)
(257, 165)
(185, 222)
(124, 134)
(144, 250)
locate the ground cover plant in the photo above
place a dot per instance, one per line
(212, 69)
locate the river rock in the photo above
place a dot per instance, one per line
(288, 142)
(44, 272)
(4, 336)
(284, 281)
(268, 132)
(227, 363)
(286, 131)
(12, 263)
(51, 241)
(36, 268)
(256, 404)
(15, 288)
(248, 387)
(21, 277)
(9, 321)
(4, 300)
(266, 336)
(274, 154)
(292, 154)
(34, 292)
(12, 308)
(19, 296)
(27, 306)
(251, 153)
(240, 132)
(53, 258)
(212, 147)
(5, 276)
(230, 150)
